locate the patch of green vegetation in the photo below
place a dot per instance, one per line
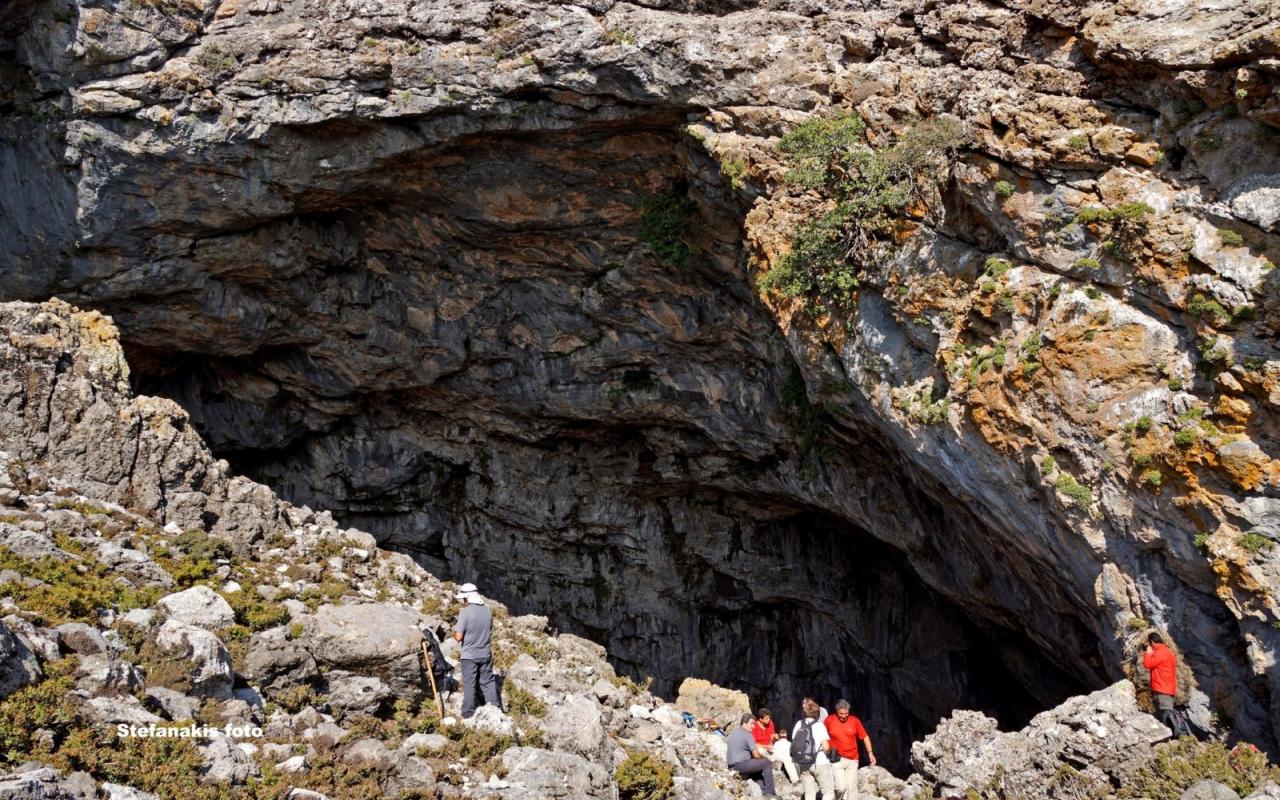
(1175, 384)
(868, 186)
(1230, 238)
(1088, 263)
(1185, 437)
(644, 776)
(1178, 765)
(1208, 309)
(1201, 542)
(1143, 423)
(808, 420)
(1092, 292)
(1005, 302)
(199, 545)
(666, 220)
(1077, 492)
(1048, 465)
(619, 36)
(479, 747)
(735, 169)
(1255, 542)
(70, 590)
(1213, 352)
(217, 61)
(1153, 478)
(1078, 141)
(930, 412)
(255, 613)
(1004, 190)
(81, 507)
(995, 268)
(521, 702)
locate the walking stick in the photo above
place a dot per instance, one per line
(431, 676)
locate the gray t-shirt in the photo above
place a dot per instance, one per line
(475, 624)
(739, 746)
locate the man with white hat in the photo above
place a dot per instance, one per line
(473, 630)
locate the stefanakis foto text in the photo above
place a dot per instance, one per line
(192, 731)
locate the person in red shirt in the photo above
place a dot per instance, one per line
(846, 731)
(766, 736)
(1160, 661)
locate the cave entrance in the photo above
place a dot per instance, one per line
(477, 354)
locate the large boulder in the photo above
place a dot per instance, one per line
(705, 700)
(374, 639)
(275, 662)
(43, 783)
(18, 665)
(356, 694)
(1103, 737)
(224, 762)
(208, 671)
(199, 606)
(546, 774)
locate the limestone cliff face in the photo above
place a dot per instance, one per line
(395, 260)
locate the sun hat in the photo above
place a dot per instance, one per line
(464, 590)
(475, 598)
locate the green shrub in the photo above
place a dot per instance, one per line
(1201, 542)
(1004, 190)
(1185, 437)
(735, 170)
(200, 546)
(524, 703)
(1005, 302)
(254, 613)
(812, 146)
(869, 187)
(1143, 423)
(1208, 309)
(1177, 765)
(72, 590)
(1088, 263)
(643, 776)
(1175, 384)
(1048, 465)
(666, 219)
(1255, 542)
(1078, 141)
(996, 267)
(1077, 492)
(1153, 478)
(1230, 238)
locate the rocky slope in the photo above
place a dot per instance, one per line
(482, 280)
(117, 613)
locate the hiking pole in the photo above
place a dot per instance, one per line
(431, 676)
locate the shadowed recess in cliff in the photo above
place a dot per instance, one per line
(536, 362)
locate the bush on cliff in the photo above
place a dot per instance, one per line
(644, 776)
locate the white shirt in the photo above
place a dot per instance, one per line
(820, 739)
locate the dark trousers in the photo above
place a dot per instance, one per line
(477, 676)
(756, 766)
(1172, 716)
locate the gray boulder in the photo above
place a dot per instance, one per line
(1267, 791)
(356, 694)
(174, 705)
(124, 709)
(408, 775)
(210, 673)
(199, 606)
(1209, 790)
(18, 665)
(547, 774)
(224, 762)
(1104, 731)
(81, 638)
(275, 662)
(41, 641)
(116, 791)
(367, 753)
(370, 639)
(43, 783)
(103, 675)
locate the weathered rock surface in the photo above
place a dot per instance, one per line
(18, 665)
(198, 606)
(390, 257)
(1099, 738)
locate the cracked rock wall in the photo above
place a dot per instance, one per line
(390, 257)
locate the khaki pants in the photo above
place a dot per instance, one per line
(815, 777)
(845, 773)
(780, 754)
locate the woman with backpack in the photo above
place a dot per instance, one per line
(810, 751)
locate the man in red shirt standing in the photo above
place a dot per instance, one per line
(1163, 665)
(766, 736)
(846, 731)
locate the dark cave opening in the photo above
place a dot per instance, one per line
(504, 384)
